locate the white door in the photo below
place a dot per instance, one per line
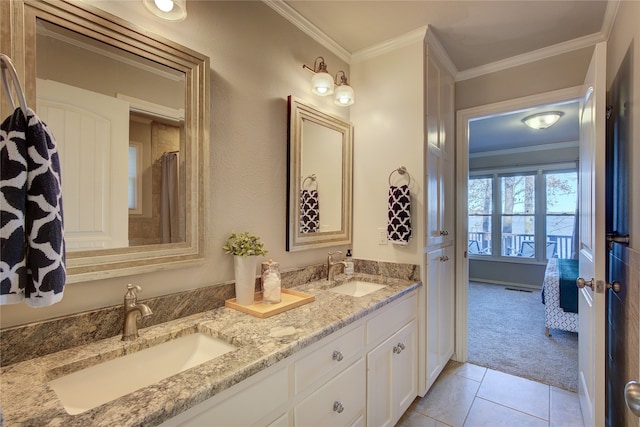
(92, 134)
(591, 353)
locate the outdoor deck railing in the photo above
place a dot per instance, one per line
(558, 246)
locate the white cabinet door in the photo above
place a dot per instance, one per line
(392, 381)
(439, 154)
(440, 315)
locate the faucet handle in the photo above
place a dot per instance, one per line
(131, 293)
(131, 287)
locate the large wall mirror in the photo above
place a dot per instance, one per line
(320, 178)
(130, 112)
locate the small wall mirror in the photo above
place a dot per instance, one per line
(319, 206)
(129, 111)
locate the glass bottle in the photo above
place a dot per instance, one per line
(348, 268)
(271, 284)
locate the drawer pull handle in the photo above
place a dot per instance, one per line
(398, 348)
(337, 355)
(338, 407)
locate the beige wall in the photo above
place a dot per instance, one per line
(256, 62)
(388, 117)
(558, 72)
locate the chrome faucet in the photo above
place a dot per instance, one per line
(331, 264)
(133, 310)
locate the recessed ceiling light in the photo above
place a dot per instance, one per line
(542, 120)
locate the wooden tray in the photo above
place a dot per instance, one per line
(288, 299)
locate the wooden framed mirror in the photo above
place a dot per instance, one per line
(120, 219)
(320, 178)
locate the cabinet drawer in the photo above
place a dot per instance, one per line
(391, 320)
(330, 358)
(340, 402)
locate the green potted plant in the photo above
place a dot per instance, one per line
(245, 248)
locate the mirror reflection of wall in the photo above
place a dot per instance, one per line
(321, 155)
(114, 115)
(320, 168)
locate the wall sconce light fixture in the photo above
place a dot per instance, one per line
(171, 10)
(344, 93)
(322, 84)
(542, 120)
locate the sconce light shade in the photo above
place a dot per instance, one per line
(543, 120)
(322, 83)
(344, 93)
(171, 10)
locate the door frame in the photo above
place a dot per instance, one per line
(463, 117)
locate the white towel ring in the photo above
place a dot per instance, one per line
(402, 171)
(7, 66)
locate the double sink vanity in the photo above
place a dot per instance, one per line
(324, 363)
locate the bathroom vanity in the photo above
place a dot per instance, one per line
(340, 360)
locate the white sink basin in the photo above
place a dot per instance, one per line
(356, 288)
(91, 387)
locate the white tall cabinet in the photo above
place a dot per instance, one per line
(439, 165)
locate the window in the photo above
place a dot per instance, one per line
(517, 215)
(560, 221)
(480, 209)
(530, 214)
(135, 179)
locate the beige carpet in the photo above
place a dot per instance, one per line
(506, 333)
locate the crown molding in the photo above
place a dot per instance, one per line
(434, 44)
(308, 28)
(389, 45)
(527, 149)
(609, 17)
(536, 55)
(424, 34)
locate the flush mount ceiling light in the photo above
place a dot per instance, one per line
(344, 93)
(542, 120)
(171, 10)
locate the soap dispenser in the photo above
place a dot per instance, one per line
(348, 268)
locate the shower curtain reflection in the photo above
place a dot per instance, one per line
(169, 214)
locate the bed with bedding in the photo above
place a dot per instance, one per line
(560, 295)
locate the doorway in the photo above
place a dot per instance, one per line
(500, 243)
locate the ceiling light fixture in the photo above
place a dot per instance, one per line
(322, 84)
(171, 10)
(542, 120)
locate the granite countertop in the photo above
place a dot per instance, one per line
(28, 400)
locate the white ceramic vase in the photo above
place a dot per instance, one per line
(245, 274)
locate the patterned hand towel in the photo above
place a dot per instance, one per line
(309, 211)
(399, 214)
(32, 266)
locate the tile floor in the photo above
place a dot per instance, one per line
(467, 395)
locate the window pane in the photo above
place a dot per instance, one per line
(560, 236)
(518, 235)
(480, 209)
(518, 194)
(133, 177)
(480, 234)
(562, 194)
(480, 195)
